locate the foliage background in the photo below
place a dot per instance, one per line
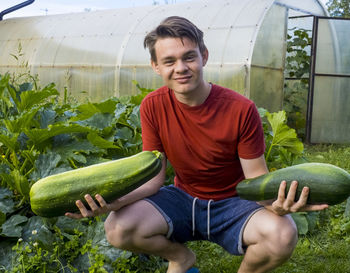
(339, 8)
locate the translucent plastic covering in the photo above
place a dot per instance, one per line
(331, 93)
(98, 54)
(302, 7)
(268, 60)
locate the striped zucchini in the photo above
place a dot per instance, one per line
(56, 194)
(328, 184)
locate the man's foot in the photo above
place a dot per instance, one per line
(183, 264)
(193, 270)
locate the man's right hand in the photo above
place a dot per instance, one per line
(95, 209)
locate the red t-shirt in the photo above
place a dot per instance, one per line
(203, 143)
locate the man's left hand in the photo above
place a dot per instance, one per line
(287, 204)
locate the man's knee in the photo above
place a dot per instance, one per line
(283, 236)
(118, 233)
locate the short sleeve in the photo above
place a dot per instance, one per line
(150, 132)
(251, 138)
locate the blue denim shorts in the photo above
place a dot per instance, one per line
(191, 219)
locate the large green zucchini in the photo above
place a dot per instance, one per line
(56, 194)
(328, 184)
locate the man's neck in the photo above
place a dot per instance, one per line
(195, 98)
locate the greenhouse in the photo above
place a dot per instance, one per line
(100, 54)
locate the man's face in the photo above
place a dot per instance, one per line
(180, 64)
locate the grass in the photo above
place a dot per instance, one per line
(326, 249)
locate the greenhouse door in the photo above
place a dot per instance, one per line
(328, 114)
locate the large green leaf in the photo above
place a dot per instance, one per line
(7, 255)
(39, 135)
(28, 99)
(70, 226)
(30, 155)
(134, 118)
(7, 205)
(46, 117)
(99, 121)
(4, 96)
(107, 106)
(120, 110)
(124, 133)
(36, 230)
(20, 123)
(100, 142)
(21, 183)
(87, 110)
(282, 134)
(13, 94)
(301, 222)
(82, 146)
(45, 165)
(13, 226)
(9, 141)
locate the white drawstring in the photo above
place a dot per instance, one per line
(193, 215)
(208, 218)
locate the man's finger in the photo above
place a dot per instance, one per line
(91, 202)
(101, 201)
(303, 196)
(282, 191)
(83, 210)
(292, 192)
(73, 215)
(316, 207)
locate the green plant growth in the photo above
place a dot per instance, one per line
(339, 8)
(40, 136)
(296, 85)
(283, 147)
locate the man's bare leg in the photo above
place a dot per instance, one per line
(141, 228)
(271, 240)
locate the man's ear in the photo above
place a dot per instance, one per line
(205, 56)
(155, 66)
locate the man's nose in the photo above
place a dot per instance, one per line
(180, 66)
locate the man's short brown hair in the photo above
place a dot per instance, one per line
(174, 27)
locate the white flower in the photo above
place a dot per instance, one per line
(35, 244)
(20, 240)
(34, 231)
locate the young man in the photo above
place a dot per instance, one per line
(213, 138)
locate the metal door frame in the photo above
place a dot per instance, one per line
(313, 73)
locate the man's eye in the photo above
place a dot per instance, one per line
(168, 62)
(190, 58)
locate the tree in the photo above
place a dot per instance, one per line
(339, 8)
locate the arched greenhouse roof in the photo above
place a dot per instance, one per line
(102, 52)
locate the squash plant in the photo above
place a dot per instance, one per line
(283, 147)
(39, 136)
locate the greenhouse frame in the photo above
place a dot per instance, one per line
(100, 54)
